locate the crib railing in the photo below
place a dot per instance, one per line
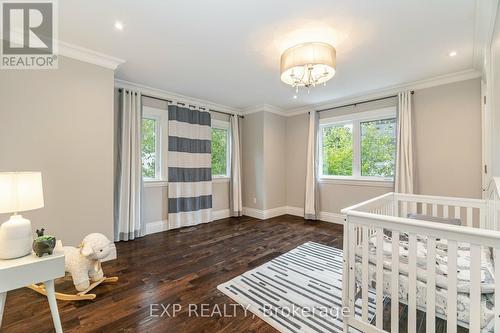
(388, 213)
(492, 219)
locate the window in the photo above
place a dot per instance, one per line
(359, 146)
(378, 148)
(154, 127)
(149, 148)
(337, 149)
(220, 149)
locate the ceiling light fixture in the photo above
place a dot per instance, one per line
(308, 64)
(118, 25)
(452, 53)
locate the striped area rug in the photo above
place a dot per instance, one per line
(299, 291)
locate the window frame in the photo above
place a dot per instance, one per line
(161, 140)
(224, 125)
(355, 119)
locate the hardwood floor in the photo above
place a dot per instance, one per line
(181, 267)
(174, 267)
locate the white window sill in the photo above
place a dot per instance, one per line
(220, 179)
(358, 181)
(155, 183)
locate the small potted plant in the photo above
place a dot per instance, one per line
(43, 244)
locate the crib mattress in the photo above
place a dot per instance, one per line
(463, 277)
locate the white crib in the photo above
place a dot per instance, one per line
(367, 222)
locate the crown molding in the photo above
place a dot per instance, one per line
(390, 90)
(76, 52)
(164, 94)
(87, 55)
(265, 108)
(484, 25)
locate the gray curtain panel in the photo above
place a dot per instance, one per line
(235, 197)
(311, 206)
(128, 176)
(189, 166)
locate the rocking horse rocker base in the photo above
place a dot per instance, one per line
(81, 296)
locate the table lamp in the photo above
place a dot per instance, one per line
(19, 191)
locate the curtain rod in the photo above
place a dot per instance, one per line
(184, 104)
(362, 102)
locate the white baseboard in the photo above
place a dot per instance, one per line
(221, 214)
(159, 226)
(273, 212)
(264, 214)
(332, 217)
(298, 211)
(252, 212)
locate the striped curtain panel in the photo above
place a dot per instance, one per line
(189, 167)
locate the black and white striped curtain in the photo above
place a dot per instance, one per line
(189, 166)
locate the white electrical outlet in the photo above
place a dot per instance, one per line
(254, 200)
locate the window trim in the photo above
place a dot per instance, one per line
(355, 119)
(161, 136)
(224, 125)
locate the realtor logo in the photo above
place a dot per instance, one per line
(28, 34)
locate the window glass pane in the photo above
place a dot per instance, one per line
(148, 148)
(219, 151)
(337, 150)
(378, 148)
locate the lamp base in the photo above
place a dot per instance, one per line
(16, 238)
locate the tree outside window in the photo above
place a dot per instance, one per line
(219, 151)
(359, 148)
(148, 148)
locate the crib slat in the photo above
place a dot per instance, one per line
(364, 286)
(424, 208)
(380, 279)
(412, 283)
(469, 216)
(497, 290)
(446, 211)
(475, 289)
(352, 271)
(413, 207)
(457, 212)
(346, 273)
(431, 284)
(452, 287)
(434, 210)
(404, 210)
(482, 219)
(395, 282)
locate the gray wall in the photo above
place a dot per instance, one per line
(263, 153)
(60, 122)
(252, 164)
(447, 121)
(274, 155)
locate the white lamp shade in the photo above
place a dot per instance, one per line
(319, 57)
(20, 191)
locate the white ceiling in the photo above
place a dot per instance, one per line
(227, 51)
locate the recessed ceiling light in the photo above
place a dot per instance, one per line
(452, 53)
(118, 25)
(294, 96)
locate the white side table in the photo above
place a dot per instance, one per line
(18, 273)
